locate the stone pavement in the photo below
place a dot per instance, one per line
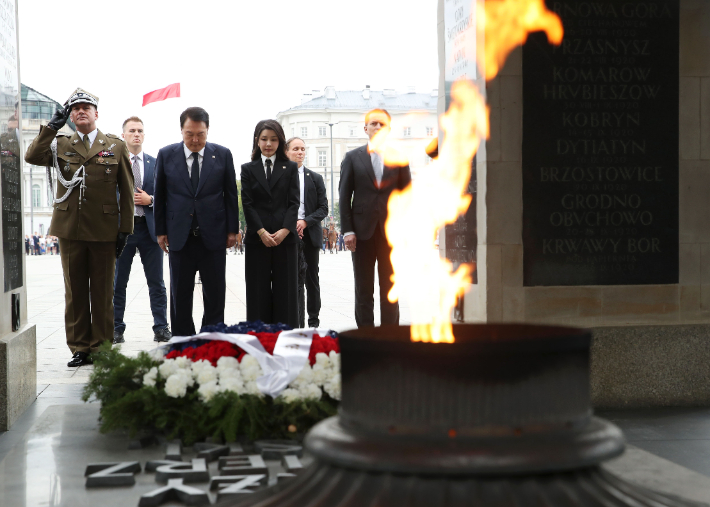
(45, 308)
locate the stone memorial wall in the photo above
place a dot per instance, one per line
(600, 180)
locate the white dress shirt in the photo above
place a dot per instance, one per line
(189, 159)
(142, 171)
(273, 162)
(376, 161)
(302, 182)
(92, 136)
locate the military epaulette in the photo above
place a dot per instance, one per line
(114, 136)
(64, 134)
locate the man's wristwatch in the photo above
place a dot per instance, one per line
(151, 200)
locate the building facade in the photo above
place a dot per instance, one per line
(37, 110)
(414, 125)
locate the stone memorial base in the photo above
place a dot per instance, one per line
(650, 366)
(18, 374)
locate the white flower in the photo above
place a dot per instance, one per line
(208, 390)
(311, 392)
(227, 363)
(335, 360)
(334, 387)
(189, 381)
(168, 368)
(320, 374)
(323, 360)
(150, 377)
(229, 373)
(232, 384)
(290, 395)
(250, 368)
(250, 387)
(304, 378)
(176, 385)
(182, 362)
(207, 374)
(198, 366)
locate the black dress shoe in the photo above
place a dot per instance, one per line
(313, 323)
(162, 335)
(118, 337)
(79, 359)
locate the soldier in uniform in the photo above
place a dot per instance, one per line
(91, 167)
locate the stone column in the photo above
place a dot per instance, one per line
(18, 357)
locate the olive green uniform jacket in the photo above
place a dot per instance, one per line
(96, 217)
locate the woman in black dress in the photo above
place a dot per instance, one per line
(271, 196)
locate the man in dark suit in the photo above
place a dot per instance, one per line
(143, 239)
(311, 212)
(196, 208)
(366, 182)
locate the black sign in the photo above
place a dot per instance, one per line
(462, 236)
(11, 168)
(600, 146)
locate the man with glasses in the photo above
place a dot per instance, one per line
(366, 182)
(91, 167)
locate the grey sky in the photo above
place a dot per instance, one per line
(242, 61)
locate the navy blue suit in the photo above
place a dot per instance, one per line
(203, 249)
(144, 241)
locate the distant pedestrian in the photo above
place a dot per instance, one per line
(42, 245)
(35, 243)
(27, 244)
(341, 241)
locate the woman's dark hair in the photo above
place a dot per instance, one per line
(276, 127)
(196, 114)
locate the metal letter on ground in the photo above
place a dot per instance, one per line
(236, 465)
(209, 451)
(274, 449)
(175, 490)
(173, 451)
(112, 474)
(189, 472)
(221, 480)
(292, 463)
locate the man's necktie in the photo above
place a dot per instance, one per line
(87, 143)
(377, 165)
(137, 183)
(268, 170)
(195, 172)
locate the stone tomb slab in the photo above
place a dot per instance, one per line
(48, 466)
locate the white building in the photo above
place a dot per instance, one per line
(37, 109)
(414, 124)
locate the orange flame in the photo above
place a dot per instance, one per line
(439, 196)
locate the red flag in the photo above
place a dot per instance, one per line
(168, 92)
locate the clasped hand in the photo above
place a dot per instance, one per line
(274, 239)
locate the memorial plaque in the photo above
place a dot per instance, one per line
(460, 50)
(600, 146)
(10, 150)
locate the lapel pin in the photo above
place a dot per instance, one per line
(101, 141)
(212, 156)
(283, 167)
(75, 141)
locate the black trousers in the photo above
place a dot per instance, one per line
(367, 252)
(313, 304)
(271, 275)
(184, 264)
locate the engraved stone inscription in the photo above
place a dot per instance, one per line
(600, 146)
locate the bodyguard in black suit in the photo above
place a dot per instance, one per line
(311, 212)
(270, 197)
(365, 187)
(197, 217)
(143, 240)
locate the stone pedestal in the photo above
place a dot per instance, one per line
(652, 338)
(18, 374)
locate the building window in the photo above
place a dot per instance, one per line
(322, 160)
(36, 194)
(352, 132)
(322, 132)
(304, 131)
(293, 131)
(407, 131)
(430, 131)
